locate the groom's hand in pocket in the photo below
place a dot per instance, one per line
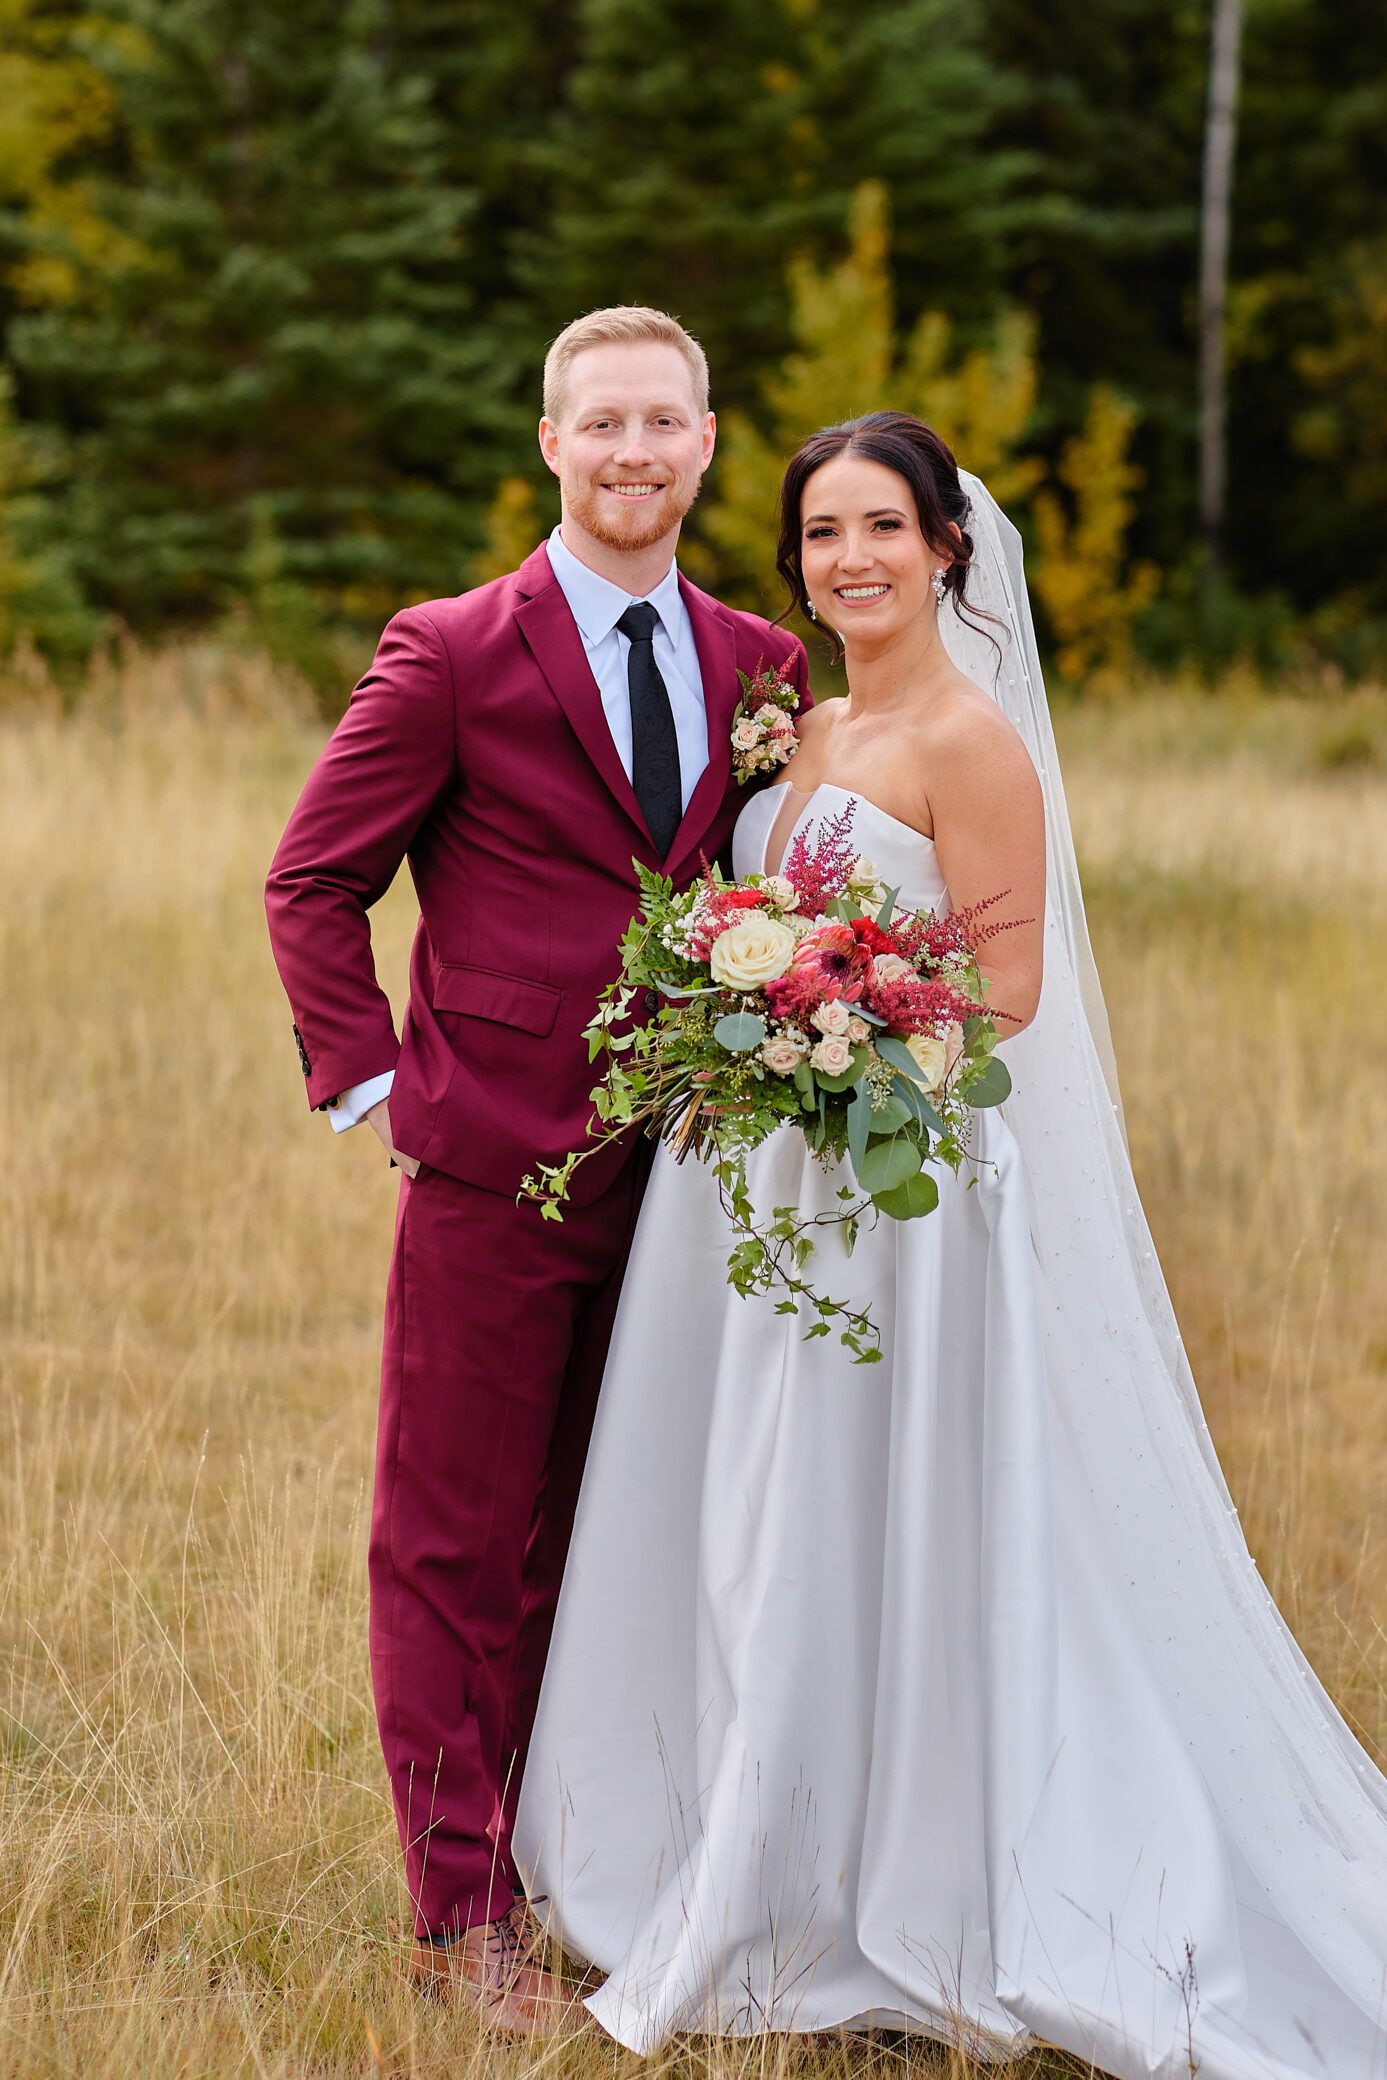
(379, 1117)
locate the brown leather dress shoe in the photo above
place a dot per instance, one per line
(495, 1967)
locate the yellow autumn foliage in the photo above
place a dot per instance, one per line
(843, 363)
(1079, 575)
(513, 529)
(53, 104)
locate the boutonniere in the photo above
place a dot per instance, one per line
(763, 729)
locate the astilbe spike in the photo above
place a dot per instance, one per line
(821, 871)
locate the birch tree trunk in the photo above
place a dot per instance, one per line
(1220, 137)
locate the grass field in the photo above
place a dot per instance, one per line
(198, 1868)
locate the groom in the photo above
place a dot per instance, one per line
(518, 745)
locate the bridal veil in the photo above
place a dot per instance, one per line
(1303, 1811)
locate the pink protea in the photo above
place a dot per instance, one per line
(835, 955)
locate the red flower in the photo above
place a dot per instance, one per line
(869, 933)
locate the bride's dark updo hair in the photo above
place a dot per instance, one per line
(914, 451)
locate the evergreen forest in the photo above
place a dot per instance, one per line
(276, 283)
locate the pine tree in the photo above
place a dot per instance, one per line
(280, 354)
(703, 143)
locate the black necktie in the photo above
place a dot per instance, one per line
(654, 742)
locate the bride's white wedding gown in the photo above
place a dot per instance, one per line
(940, 1692)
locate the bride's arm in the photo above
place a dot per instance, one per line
(989, 832)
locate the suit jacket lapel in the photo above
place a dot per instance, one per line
(716, 644)
(548, 627)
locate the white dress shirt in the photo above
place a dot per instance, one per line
(597, 605)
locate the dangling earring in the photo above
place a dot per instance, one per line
(812, 615)
(940, 583)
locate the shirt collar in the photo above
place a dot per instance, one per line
(598, 605)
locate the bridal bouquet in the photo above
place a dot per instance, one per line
(803, 996)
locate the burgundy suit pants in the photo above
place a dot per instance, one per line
(496, 1333)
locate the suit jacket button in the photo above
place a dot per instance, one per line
(652, 1001)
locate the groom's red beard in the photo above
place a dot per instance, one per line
(642, 528)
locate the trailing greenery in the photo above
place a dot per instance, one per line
(275, 286)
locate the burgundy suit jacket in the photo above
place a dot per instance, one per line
(476, 746)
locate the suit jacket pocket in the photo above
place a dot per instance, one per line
(507, 1000)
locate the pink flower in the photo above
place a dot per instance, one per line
(821, 872)
(832, 1055)
(746, 736)
(832, 953)
(832, 1017)
(781, 891)
(887, 967)
(781, 1054)
(795, 996)
(859, 1031)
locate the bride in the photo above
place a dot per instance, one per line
(943, 1693)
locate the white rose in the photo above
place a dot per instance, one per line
(782, 891)
(866, 874)
(750, 954)
(930, 1057)
(887, 966)
(781, 1055)
(767, 716)
(832, 1055)
(858, 1031)
(746, 736)
(832, 1017)
(784, 725)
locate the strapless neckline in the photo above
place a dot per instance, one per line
(808, 797)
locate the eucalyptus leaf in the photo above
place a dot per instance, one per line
(893, 1113)
(888, 1164)
(740, 1031)
(887, 910)
(991, 1085)
(896, 1052)
(908, 1201)
(918, 1105)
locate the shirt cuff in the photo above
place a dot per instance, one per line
(353, 1105)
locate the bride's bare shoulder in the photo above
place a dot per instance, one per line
(974, 763)
(964, 726)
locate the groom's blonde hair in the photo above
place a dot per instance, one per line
(623, 325)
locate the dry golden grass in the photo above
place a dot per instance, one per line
(198, 1869)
